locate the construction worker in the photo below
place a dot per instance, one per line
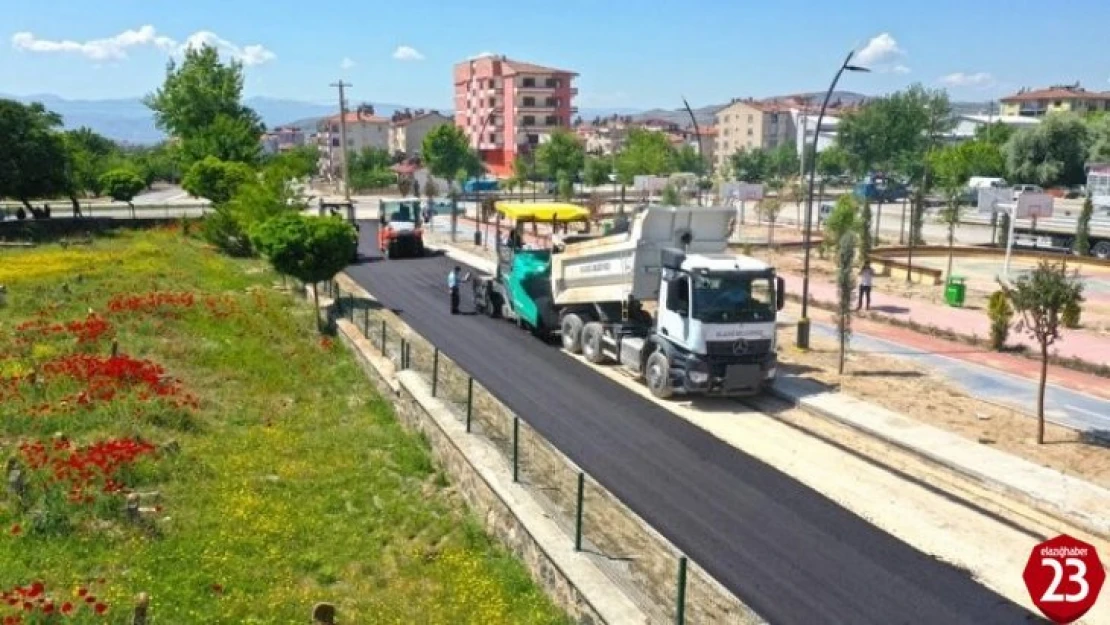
(453, 287)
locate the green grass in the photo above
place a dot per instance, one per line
(294, 483)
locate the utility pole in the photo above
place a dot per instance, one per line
(343, 137)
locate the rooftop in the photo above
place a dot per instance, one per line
(1057, 92)
(512, 66)
(354, 117)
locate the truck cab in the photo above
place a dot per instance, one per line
(343, 208)
(400, 228)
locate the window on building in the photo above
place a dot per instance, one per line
(750, 118)
(552, 102)
(493, 101)
(551, 82)
(493, 137)
(335, 142)
(750, 133)
(533, 139)
(774, 118)
(529, 101)
(529, 120)
(529, 82)
(335, 128)
(551, 120)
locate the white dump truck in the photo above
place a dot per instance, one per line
(664, 299)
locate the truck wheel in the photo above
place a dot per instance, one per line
(572, 333)
(1102, 250)
(657, 375)
(591, 342)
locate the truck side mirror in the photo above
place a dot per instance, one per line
(780, 293)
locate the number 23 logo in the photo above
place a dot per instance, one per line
(1052, 593)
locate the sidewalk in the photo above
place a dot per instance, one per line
(1092, 348)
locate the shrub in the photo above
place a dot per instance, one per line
(1069, 315)
(1001, 313)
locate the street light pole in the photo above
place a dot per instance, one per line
(803, 323)
(701, 154)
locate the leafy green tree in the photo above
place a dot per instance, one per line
(784, 161)
(687, 160)
(562, 153)
(841, 220)
(446, 150)
(1054, 152)
(863, 227)
(669, 196)
(769, 208)
(645, 153)
(1098, 128)
(751, 165)
(952, 168)
(87, 157)
(1083, 228)
(565, 187)
(200, 103)
(845, 282)
(299, 162)
(122, 185)
(216, 180)
(1001, 313)
(597, 171)
(1041, 297)
(311, 249)
(994, 133)
(32, 153)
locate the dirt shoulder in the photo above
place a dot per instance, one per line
(919, 393)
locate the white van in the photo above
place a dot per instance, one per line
(984, 182)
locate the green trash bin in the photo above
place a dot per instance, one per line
(954, 291)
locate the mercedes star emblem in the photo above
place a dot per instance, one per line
(740, 347)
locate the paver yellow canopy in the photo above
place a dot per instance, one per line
(542, 212)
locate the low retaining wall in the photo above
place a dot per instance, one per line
(634, 558)
(900, 271)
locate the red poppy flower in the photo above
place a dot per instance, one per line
(67, 608)
(16, 530)
(101, 608)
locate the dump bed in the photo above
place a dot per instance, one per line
(612, 268)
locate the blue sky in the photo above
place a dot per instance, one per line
(629, 54)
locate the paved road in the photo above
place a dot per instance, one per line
(791, 554)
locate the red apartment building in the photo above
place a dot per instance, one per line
(508, 107)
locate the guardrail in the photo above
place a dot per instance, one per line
(664, 582)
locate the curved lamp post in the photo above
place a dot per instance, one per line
(803, 323)
(481, 174)
(701, 153)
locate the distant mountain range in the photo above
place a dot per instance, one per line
(127, 120)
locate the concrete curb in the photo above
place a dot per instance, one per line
(1092, 521)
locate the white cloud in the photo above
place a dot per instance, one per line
(111, 48)
(881, 49)
(249, 55)
(347, 63)
(116, 47)
(960, 79)
(882, 54)
(407, 53)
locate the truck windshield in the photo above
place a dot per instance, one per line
(403, 212)
(733, 298)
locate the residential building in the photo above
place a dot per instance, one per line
(509, 107)
(1055, 99)
(748, 124)
(407, 129)
(707, 145)
(967, 125)
(805, 121)
(282, 138)
(364, 130)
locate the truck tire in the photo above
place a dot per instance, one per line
(571, 330)
(1102, 249)
(591, 342)
(657, 375)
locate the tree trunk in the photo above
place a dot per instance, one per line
(771, 231)
(76, 205)
(621, 210)
(840, 367)
(316, 300)
(878, 223)
(1040, 393)
(951, 242)
(132, 205)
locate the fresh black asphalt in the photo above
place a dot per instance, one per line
(788, 552)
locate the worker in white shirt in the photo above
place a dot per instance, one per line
(865, 277)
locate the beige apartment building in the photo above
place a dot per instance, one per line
(749, 124)
(408, 129)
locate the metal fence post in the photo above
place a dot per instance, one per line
(366, 322)
(680, 601)
(408, 354)
(383, 337)
(578, 512)
(351, 306)
(435, 372)
(403, 350)
(516, 449)
(469, 401)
